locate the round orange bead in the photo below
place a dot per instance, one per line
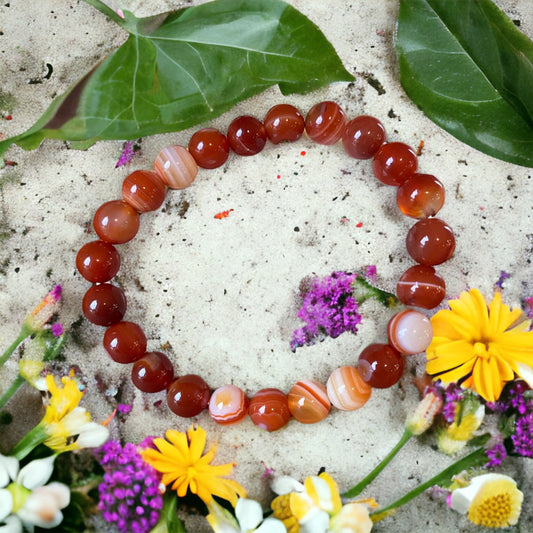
(347, 390)
(430, 242)
(269, 409)
(116, 222)
(144, 190)
(308, 401)
(176, 167)
(420, 196)
(325, 122)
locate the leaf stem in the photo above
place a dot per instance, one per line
(24, 332)
(14, 387)
(31, 440)
(357, 489)
(106, 10)
(476, 458)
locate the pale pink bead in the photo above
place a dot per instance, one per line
(308, 401)
(347, 390)
(410, 332)
(228, 405)
(176, 167)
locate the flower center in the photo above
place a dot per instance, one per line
(481, 349)
(493, 512)
(20, 495)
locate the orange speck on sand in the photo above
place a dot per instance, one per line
(223, 214)
(419, 149)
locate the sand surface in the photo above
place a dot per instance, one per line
(222, 295)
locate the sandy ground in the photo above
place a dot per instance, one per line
(222, 295)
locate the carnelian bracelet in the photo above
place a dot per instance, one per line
(429, 242)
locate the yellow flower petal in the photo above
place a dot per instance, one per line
(197, 439)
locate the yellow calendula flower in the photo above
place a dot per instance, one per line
(481, 346)
(179, 458)
(490, 500)
(68, 425)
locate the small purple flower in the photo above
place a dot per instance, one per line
(57, 329)
(496, 454)
(503, 276)
(371, 273)
(523, 436)
(124, 409)
(328, 309)
(127, 154)
(129, 492)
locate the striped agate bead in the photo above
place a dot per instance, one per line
(176, 167)
(269, 409)
(308, 401)
(346, 389)
(325, 122)
(228, 405)
(410, 332)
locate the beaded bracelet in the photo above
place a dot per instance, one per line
(429, 242)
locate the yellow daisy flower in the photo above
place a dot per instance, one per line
(480, 346)
(181, 462)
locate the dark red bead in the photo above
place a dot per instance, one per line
(153, 372)
(420, 196)
(116, 222)
(421, 286)
(209, 147)
(188, 395)
(98, 261)
(284, 122)
(430, 242)
(325, 122)
(104, 304)
(269, 409)
(144, 190)
(394, 162)
(380, 365)
(363, 136)
(247, 135)
(125, 342)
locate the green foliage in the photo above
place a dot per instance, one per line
(470, 70)
(181, 68)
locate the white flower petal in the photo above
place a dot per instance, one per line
(526, 373)
(92, 435)
(42, 508)
(12, 525)
(315, 521)
(9, 467)
(248, 513)
(36, 473)
(6, 504)
(271, 525)
(285, 484)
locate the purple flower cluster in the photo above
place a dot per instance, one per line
(516, 404)
(129, 492)
(328, 309)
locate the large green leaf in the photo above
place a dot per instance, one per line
(181, 68)
(464, 63)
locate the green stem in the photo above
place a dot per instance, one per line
(386, 298)
(15, 386)
(106, 10)
(476, 458)
(24, 332)
(30, 441)
(357, 489)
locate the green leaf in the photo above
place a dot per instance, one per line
(464, 63)
(181, 68)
